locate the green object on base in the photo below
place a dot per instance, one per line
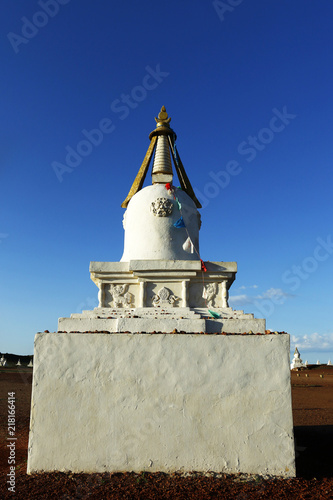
(214, 314)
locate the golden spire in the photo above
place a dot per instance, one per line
(162, 167)
(162, 124)
(163, 120)
(164, 137)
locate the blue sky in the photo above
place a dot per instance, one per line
(248, 85)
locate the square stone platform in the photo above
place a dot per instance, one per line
(161, 402)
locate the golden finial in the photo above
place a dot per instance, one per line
(163, 120)
(162, 138)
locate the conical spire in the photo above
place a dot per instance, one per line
(163, 139)
(162, 167)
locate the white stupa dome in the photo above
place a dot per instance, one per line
(149, 225)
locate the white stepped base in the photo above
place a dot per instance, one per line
(128, 402)
(148, 319)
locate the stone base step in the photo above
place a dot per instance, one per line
(132, 325)
(164, 325)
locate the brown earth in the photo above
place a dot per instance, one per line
(312, 398)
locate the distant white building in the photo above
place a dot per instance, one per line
(318, 363)
(18, 363)
(30, 364)
(3, 361)
(296, 362)
(329, 363)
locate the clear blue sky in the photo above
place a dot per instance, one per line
(248, 85)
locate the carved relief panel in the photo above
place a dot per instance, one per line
(205, 295)
(161, 207)
(209, 294)
(164, 298)
(119, 296)
(163, 295)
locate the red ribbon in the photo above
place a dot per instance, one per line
(203, 267)
(168, 186)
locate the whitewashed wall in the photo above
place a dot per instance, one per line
(134, 402)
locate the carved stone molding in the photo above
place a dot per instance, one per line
(225, 294)
(121, 297)
(101, 294)
(161, 207)
(164, 298)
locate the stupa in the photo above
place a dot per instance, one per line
(296, 361)
(163, 375)
(161, 283)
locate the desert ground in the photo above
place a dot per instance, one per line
(312, 396)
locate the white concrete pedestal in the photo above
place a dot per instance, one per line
(134, 402)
